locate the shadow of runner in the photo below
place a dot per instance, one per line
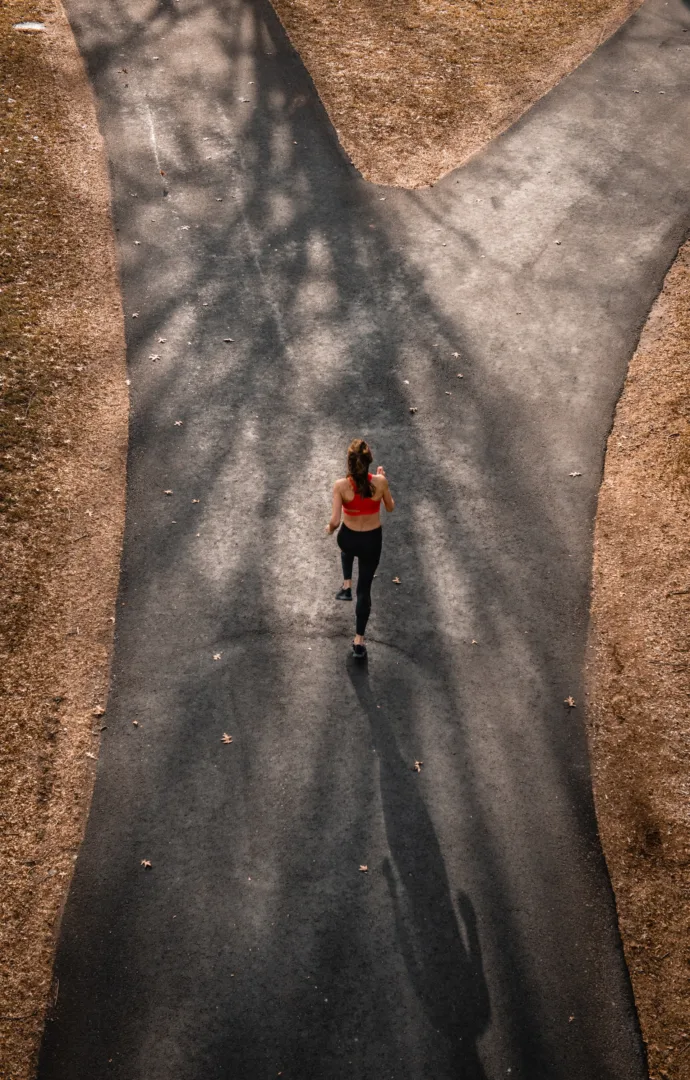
(441, 951)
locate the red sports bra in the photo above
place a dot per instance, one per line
(361, 505)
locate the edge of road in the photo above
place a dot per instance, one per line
(61, 532)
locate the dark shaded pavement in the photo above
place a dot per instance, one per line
(482, 942)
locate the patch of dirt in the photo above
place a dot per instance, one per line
(63, 429)
(415, 87)
(639, 676)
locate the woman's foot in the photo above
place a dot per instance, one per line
(359, 649)
(344, 594)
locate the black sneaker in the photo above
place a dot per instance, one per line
(344, 594)
(360, 651)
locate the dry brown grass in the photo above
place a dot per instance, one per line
(639, 678)
(63, 414)
(416, 86)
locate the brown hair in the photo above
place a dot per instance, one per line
(359, 458)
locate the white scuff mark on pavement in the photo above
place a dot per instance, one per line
(152, 135)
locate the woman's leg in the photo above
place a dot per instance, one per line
(347, 559)
(368, 561)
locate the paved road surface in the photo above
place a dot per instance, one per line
(482, 942)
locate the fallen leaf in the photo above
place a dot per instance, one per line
(137, 243)
(364, 869)
(178, 423)
(135, 723)
(92, 756)
(135, 315)
(227, 340)
(575, 474)
(167, 492)
(397, 581)
(460, 376)
(570, 702)
(226, 738)
(557, 242)
(154, 356)
(217, 655)
(99, 711)
(417, 767)
(456, 355)
(146, 863)
(161, 340)
(473, 642)
(195, 500)
(413, 409)
(448, 393)
(185, 228)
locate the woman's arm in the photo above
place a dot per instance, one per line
(336, 510)
(386, 497)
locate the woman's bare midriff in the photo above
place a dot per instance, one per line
(362, 522)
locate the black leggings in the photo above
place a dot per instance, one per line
(367, 547)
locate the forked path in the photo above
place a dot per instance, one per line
(481, 942)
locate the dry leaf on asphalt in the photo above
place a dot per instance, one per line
(167, 492)
(364, 869)
(417, 767)
(178, 423)
(135, 723)
(99, 711)
(226, 738)
(575, 474)
(570, 702)
(396, 581)
(146, 863)
(217, 655)
(413, 409)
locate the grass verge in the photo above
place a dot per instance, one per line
(63, 418)
(415, 87)
(639, 677)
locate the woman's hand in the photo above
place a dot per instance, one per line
(381, 471)
(330, 528)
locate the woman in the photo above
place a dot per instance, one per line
(358, 497)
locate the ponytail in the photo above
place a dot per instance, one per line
(359, 458)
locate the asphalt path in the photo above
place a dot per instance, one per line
(481, 942)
